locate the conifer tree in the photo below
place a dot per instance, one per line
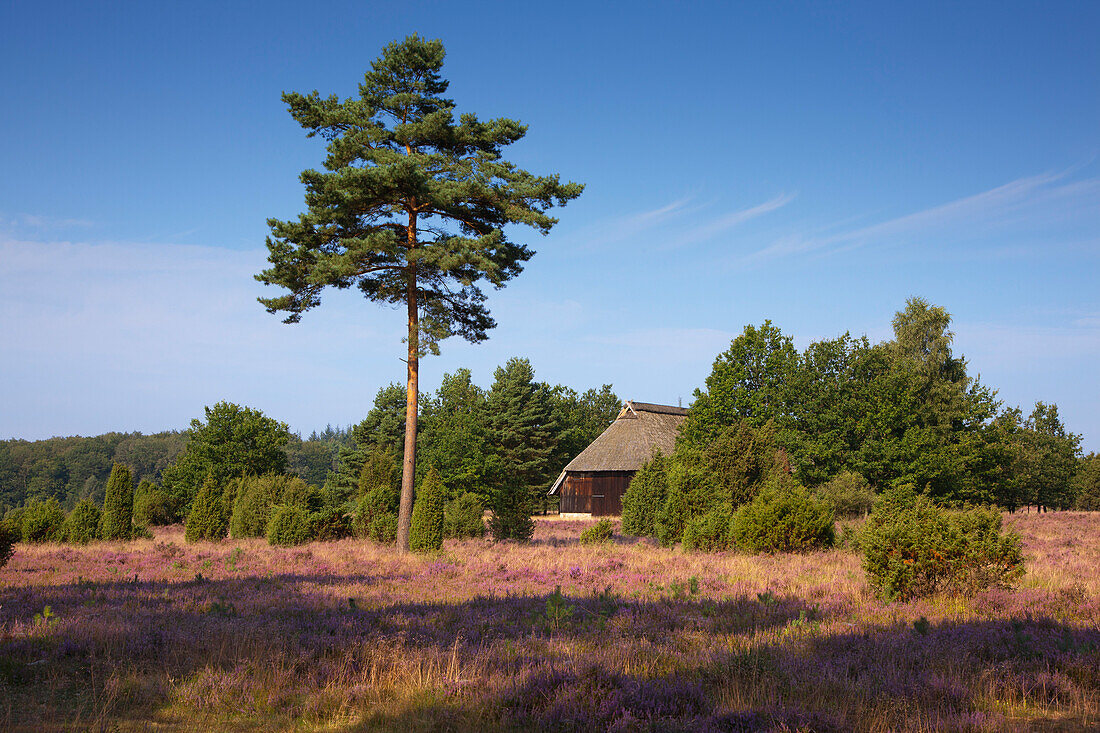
(426, 533)
(411, 209)
(82, 524)
(645, 498)
(523, 429)
(207, 520)
(118, 505)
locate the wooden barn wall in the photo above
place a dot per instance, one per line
(599, 493)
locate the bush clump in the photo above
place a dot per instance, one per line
(709, 532)
(117, 518)
(1087, 484)
(673, 517)
(599, 533)
(289, 526)
(645, 498)
(252, 505)
(849, 493)
(43, 521)
(153, 506)
(82, 524)
(376, 515)
(784, 517)
(511, 517)
(914, 548)
(329, 524)
(297, 492)
(462, 517)
(208, 519)
(8, 538)
(426, 532)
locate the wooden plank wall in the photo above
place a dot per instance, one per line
(599, 493)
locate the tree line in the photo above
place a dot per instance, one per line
(519, 432)
(905, 411)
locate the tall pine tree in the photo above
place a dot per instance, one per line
(411, 209)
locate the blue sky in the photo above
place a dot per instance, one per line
(812, 164)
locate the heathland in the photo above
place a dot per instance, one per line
(348, 635)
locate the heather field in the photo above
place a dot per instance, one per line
(346, 636)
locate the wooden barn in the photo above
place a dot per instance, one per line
(594, 482)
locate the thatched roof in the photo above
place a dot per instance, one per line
(628, 443)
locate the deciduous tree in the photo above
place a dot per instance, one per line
(234, 441)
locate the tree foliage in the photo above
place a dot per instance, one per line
(72, 468)
(524, 435)
(234, 441)
(904, 411)
(9, 535)
(1087, 484)
(252, 505)
(462, 518)
(455, 436)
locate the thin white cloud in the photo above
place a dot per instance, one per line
(632, 226)
(621, 228)
(38, 223)
(725, 222)
(1027, 204)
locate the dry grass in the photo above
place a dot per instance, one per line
(343, 636)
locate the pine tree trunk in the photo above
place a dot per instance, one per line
(408, 467)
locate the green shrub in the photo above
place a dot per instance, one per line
(289, 526)
(252, 506)
(383, 529)
(379, 469)
(118, 505)
(462, 518)
(297, 492)
(13, 520)
(208, 519)
(153, 506)
(329, 524)
(913, 548)
(426, 532)
(376, 515)
(645, 498)
(140, 532)
(784, 517)
(849, 493)
(82, 524)
(673, 517)
(8, 537)
(599, 533)
(511, 517)
(1087, 484)
(43, 521)
(709, 532)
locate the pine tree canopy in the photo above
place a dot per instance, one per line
(408, 192)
